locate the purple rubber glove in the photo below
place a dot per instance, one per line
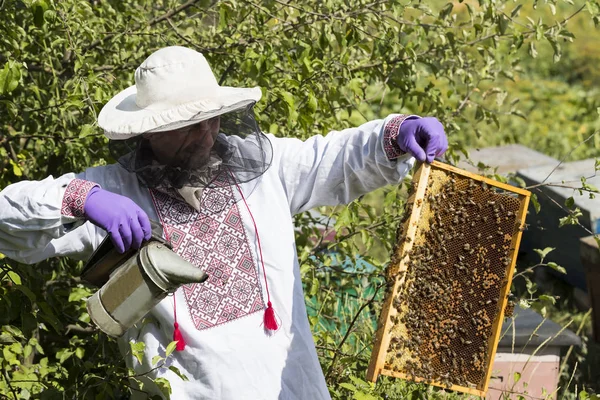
(126, 223)
(424, 138)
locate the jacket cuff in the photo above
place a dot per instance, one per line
(74, 198)
(390, 135)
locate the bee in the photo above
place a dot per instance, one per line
(523, 227)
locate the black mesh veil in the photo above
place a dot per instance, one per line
(216, 151)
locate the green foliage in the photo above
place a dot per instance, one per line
(493, 71)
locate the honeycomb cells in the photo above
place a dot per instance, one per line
(456, 274)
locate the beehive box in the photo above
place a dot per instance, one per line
(449, 279)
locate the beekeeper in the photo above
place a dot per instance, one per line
(191, 156)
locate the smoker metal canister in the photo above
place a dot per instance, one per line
(138, 285)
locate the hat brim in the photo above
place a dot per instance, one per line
(121, 118)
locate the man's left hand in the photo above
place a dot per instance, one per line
(424, 138)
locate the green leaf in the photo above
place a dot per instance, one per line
(314, 288)
(556, 47)
(545, 252)
(532, 50)
(170, 348)
(16, 169)
(446, 10)
(593, 7)
(570, 202)
(16, 278)
(312, 103)
(516, 377)
(27, 292)
(10, 76)
(79, 353)
(364, 396)
(38, 7)
(524, 304)
(571, 219)
(545, 297)
(13, 331)
(9, 356)
(583, 395)
(288, 98)
(508, 74)
(177, 372)
(164, 386)
(557, 267)
(63, 355)
(535, 202)
(86, 130)
(27, 350)
(502, 24)
(349, 386)
(516, 10)
(137, 349)
(156, 360)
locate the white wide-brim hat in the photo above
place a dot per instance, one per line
(174, 87)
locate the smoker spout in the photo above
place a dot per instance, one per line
(166, 269)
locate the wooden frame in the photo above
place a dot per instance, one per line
(417, 200)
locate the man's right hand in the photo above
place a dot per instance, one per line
(126, 223)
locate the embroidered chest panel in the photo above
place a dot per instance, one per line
(213, 239)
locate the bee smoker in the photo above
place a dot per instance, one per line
(132, 283)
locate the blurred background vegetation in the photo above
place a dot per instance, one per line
(495, 72)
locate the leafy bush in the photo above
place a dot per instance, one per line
(322, 66)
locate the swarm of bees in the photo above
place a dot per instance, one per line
(456, 274)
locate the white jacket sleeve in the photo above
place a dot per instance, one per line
(42, 219)
(339, 167)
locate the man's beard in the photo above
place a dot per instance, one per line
(202, 170)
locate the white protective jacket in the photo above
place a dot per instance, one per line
(228, 355)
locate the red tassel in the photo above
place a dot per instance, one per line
(178, 337)
(269, 317)
(270, 322)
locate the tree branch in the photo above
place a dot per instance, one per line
(323, 246)
(153, 22)
(465, 100)
(80, 329)
(5, 375)
(568, 154)
(338, 351)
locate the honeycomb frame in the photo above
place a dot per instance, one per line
(461, 340)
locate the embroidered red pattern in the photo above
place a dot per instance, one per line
(74, 197)
(390, 133)
(213, 239)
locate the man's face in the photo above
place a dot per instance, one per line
(187, 147)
